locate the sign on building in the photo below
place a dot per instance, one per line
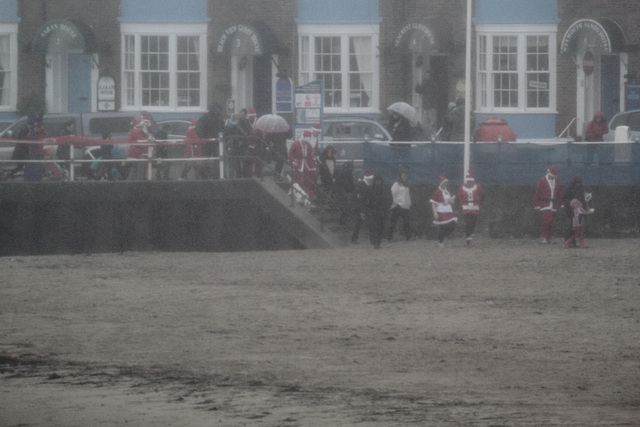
(309, 106)
(106, 94)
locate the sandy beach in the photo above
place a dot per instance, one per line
(508, 332)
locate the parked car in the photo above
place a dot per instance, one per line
(626, 118)
(5, 124)
(177, 127)
(347, 135)
(91, 125)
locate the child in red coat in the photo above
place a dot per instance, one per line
(579, 211)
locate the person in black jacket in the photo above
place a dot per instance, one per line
(359, 211)
(376, 201)
(399, 127)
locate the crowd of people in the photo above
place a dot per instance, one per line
(383, 207)
(317, 177)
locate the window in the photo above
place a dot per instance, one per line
(537, 71)
(164, 71)
(8, 67)
(516, 71)
(345, 60)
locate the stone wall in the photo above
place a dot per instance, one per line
(222, 216)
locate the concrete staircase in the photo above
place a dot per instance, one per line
(323, 220)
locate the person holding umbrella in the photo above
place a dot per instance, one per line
(399, 127)
(275, 129)
(402, 118)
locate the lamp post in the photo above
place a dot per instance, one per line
(467, 94)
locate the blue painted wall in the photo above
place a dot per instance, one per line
(516, 12)
(338, 11)
(9, 11)
(159, 11)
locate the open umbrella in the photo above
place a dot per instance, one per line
(406, 111)
(272, 123)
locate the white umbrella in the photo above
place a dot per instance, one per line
(406, 111)
(272, 123)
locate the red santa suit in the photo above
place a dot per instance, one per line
(547, 199)
(470, 196)
(137, 133)
(192, 149)
(443, 217)
(443, 201)
(301, 155)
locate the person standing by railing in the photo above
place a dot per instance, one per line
(547, 200)
(596, 129)
(139, 132)
(37, 132)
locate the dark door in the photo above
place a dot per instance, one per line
(609, 85)
(262, 84)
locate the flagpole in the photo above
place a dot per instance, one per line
(467, 95)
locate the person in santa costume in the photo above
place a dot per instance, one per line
(442, 206)
(302, 157)
(580, 209)
(470, 195)
(547, 200)
(139, 132)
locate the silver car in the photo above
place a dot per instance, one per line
(347, 135)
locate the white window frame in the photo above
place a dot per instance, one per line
(485, 87)
(133, 101)
(11, 31)
(306, 60)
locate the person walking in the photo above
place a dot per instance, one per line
(547, 200)
(376, 201)
(301, 155)
(580, 209)
(400, 206)
(470, 194)
(442, 206)
(359, 211)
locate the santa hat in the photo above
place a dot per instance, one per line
(442, 179)
(368, 177)
(136, 122)
(316, 128)
(469, 176)
(553, 171)
(251, 111)
(306, 134)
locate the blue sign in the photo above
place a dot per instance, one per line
(632, 97)
(284, 95)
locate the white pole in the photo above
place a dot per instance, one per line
(467, 94)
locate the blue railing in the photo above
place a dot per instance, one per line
(506, 163)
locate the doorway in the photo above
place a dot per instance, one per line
(69, 81)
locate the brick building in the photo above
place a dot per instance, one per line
(540, 64)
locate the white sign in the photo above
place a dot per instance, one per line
(106, 94)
